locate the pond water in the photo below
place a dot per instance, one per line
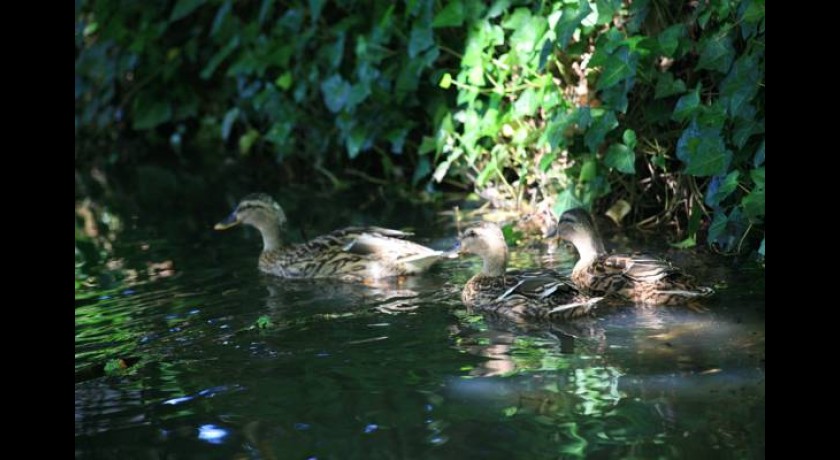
(392, 370)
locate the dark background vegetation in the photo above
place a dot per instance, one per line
(650, 111)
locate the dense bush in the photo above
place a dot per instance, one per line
(653, 107)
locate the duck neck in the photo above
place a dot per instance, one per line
(589, 247)
(270, 235)
(495, 260)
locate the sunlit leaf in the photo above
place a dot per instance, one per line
(527, 103)
(685, 244)
(546, 161)
(246, 141)
(607, 10)
(452, 15)
(284, 81)
(445, 81)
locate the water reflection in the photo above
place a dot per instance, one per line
(400, 369)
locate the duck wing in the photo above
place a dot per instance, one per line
(641, 267)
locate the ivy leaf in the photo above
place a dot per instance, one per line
(546, 161)
(746, 124)
(150, 112)
(227, 123)
(445, 81)
(247, 140)
(702, 149)
(757, 176)
(335, 91)
(569, 21)
(629, 138)
(606, 10)
(355, 141)
(617, 67)
(284, 81)
(667, 86)
(218, 58)
(669, 39)
(545, 52)
(753, 204)
(603, 122)
(498, 7)
(751, 13)
(421, 39)
(689, 242)
(719, 188)
(621, 157)
(758, 159)
(183, 8)
(452, 15)
(519, 19)
(524, 39)
(315, 7)
(527, 103)
(716, 53)
(424, 167)
(566, 200)
(741, 84)
(687, 105)
(717, 227)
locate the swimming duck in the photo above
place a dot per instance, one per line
(359, 254)
(517, 295)
(637, 277)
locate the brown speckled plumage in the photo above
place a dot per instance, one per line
(637, 277)
(520, 295)
(351, 254)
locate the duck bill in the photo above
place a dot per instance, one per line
(230, 221)
(454, 251)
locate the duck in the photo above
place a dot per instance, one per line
(638, 277)
(519, 296)
(354, 254)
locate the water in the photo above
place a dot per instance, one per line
(392, 371)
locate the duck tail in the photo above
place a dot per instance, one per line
(575, 308)
(418, 263)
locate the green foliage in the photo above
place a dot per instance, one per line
(263, 322)
(581, 113)
(579, 102)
